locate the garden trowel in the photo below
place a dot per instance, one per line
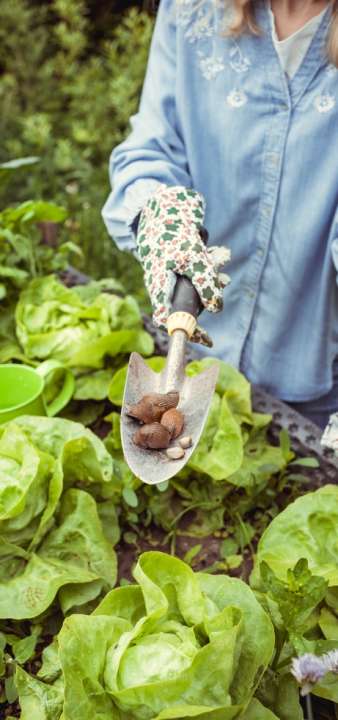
(154, 466)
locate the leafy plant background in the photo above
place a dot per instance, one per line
(71, 73)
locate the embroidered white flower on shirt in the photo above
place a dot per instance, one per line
(237, 98)
(197, 20)
(202, 21)
(210, 66)
(238, 62)
(324, 103)
(331, 70)
(201, 28)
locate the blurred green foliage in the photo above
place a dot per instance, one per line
(69, 81)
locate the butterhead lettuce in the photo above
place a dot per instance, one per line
(177, 644)
(53, 475)
(296, 572)
(78, 326)
(308, 529)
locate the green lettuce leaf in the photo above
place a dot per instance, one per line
(116, 387)
(93, 385)
(308, 529)
(77, 329)
(51, 535)
(230, 383)
(280, 694)
(74, 553)
(256, 711)
(296, 561)
(220, 450)
(37, 699)
(178, 644)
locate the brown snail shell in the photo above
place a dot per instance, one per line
(151, 407)
(173, 420)
(153, 436)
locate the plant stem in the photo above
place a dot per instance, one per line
(309, 708)
(280, 640)
(181, 514)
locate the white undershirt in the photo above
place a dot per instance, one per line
(293, 49)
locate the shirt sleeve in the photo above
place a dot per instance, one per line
(154, 152)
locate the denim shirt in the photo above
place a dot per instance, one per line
(218, 114)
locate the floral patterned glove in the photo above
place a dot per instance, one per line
(169, 241)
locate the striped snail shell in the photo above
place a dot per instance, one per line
(151, 407)
(173, 420)
(153, 436)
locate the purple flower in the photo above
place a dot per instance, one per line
(308, 670)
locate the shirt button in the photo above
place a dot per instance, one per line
(274, 159)
(266, 211)
(260, 252)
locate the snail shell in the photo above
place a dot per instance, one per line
(175, 453)
(153, 436)
(151, 407)
(173, 420)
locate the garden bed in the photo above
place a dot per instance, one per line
(305, 441)
(212, 524)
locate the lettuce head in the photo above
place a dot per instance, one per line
(54, 476)
(177, 644)
(296, 570)
(308, 529)
(78, 326)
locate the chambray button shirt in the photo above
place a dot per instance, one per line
(219, 115)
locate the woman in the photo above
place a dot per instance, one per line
(237, 131)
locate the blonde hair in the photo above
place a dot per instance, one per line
(245, 21)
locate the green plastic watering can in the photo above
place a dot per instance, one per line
(22, 390)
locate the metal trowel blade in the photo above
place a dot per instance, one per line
(153, 466)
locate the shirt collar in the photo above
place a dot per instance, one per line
(314, 59)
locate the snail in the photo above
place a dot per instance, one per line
(153, 436)
(151, 407)
(173, 420)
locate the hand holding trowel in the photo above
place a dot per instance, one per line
(175, 261)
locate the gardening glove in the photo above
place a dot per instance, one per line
(170, 243)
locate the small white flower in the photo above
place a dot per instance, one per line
(308, 670)
(237, 98)
(331, 70)
(210, 66)
(324, 103)
(199, 22)
(331, 661)
(239, 63)
(72, 188)
(201, 28)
